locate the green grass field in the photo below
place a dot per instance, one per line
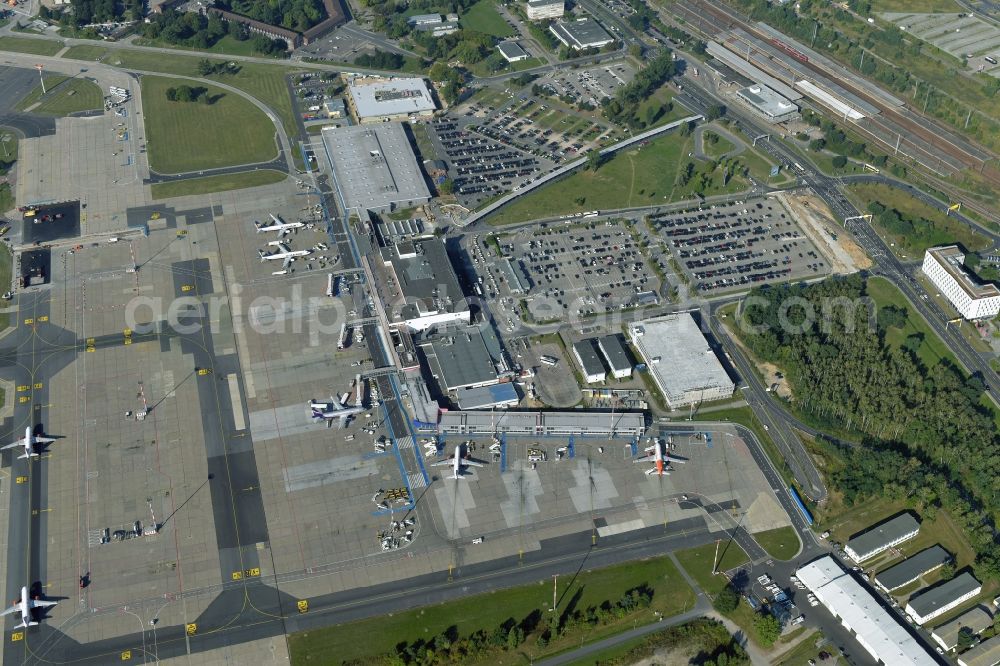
(86, 52)
(63, 97)
(719, 148)
(671, 595)
(638, 176)
(27, 45)
(8, 150)
(188, 136)
(933, 349)
(264, 82)
(945, 230)
(6, 268)
(484, 17)
(916, 6)
(220, 183)
(6, 202)
(801, 654)
(225, 46)
(781, 543)
(698, 563)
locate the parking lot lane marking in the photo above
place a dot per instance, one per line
(237, 401)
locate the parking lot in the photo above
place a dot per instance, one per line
(739, 245)
(589, 85)
(480, 167)
(574, 270)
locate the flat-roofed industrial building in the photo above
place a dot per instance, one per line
(768, 104)
(976, 620)
(615, 355)
(941, 598)
(683, 365)
(583, 33)
(590, 363)
(912, 568)
(945, 266)
(374, 167)
(882, 537)
(878, 632)
(544, 424)
(512, 51)
(381, 100)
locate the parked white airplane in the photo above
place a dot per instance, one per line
(458, 463)
(24, 605)
(332, 411)
(279, 225)
(658, 453)
(285, 253)
(28, 442)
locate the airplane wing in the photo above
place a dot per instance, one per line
(473, 463)
(19, 442)
(13, 609)
(446, 461)
(286, 263)
(669, 459)
(38, 603)
(647, 458)
(44, 440)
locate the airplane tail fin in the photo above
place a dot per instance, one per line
(260, 253)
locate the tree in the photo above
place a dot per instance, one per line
(839, 162)
(817, 145)
(966, 638)
(727, 600)
(768, 629)
(172, 94)
(715, 112)
(594, 159)
(892, 316)
(947, 571)
(447, 187)
(205, 67)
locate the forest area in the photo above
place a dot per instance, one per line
(298, 15)
(202, 32)
(924, 433)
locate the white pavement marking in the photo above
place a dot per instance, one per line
(237, 401)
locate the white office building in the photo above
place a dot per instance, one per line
(590, 364)
(882, 537)
(938, 600)
(944, 266)
(878, 632)
(539, 10)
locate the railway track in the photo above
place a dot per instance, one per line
(714, 19)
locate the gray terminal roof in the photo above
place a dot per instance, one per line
(426, 278)
(913, 567)
(582, 33)
(614, 352)
(883, 534)
(977, 619)
(374, 166)
(460, 358)
(942, 594)
(767, 100)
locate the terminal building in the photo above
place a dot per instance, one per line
(462, 358)
(944, 266)
(986, 653)
(543, 424)
(912, 568)
(382, 100)
(878, 632)
(374, 168)
(680, 360)
(539, 10)
(882, 537)
(422, 285)
(932, 602)
(768, 104)
(497, 396)
(590, 364)
(583, 33)
(975, 621)
(615, 355)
